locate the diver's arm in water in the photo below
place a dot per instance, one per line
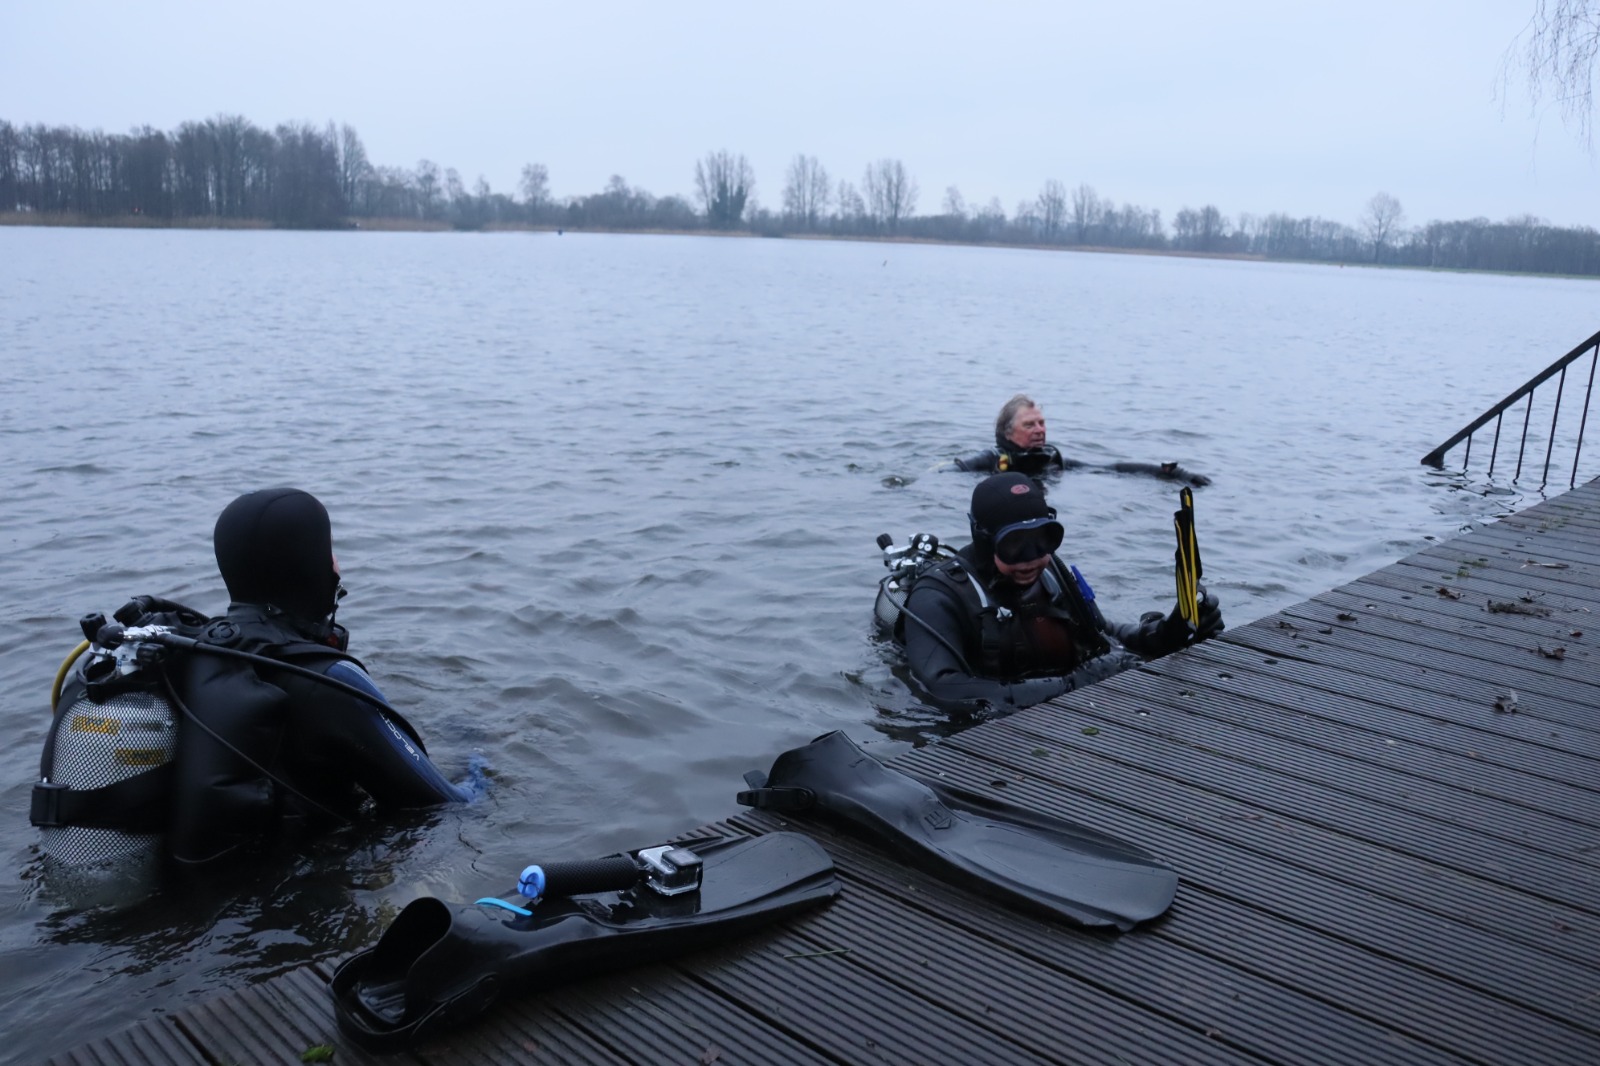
(1165, 471)
(985, 462)
(934, 632)
(388, 761)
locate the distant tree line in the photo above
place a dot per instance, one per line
(227, 169)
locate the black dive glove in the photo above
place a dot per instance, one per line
(1027, 693)
(1155, 636)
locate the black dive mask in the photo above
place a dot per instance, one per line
(1023, 542)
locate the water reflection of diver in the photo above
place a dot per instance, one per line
(276, 721)
(1020, 446)
(1006, 624)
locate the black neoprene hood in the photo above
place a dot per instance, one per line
(275, 546)
(1006, 499)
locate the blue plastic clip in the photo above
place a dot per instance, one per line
(490, 901)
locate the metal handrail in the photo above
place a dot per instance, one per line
(1589, 347)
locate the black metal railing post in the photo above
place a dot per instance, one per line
(1584, 421)
(1555, 416)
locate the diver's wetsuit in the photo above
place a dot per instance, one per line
(1026, 645)
(271, 743)
(1047, 459)
(337, 739)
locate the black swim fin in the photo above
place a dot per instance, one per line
(439, 964)
(1032, 861)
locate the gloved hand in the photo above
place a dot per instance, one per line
(1155, 636)
(1101, 667)
(1039, 689)
(1172, 632)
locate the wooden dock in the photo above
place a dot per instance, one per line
(1384, 804)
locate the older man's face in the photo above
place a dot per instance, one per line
(1027, 429)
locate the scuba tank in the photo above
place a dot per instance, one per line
(905, 566)
(107, 763)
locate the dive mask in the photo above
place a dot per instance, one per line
(1023, 542)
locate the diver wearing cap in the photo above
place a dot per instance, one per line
(1007, 624)
(1020, 447)
(258, 745)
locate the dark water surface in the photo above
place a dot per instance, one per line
(606, 506)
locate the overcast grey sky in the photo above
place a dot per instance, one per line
(1252, 105)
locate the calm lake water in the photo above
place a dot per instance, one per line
(606, 506)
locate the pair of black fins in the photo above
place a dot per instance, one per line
(440, 964)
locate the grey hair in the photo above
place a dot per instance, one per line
(1008, 414)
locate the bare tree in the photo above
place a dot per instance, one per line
(955, 205)
(724, 181)
(1200, 231)
(1557, 50)
(805, 192)
(428, 188)
(1052, 208)
(354, 170)
(852, 208)
(891, 193)
(1026, 218)
(1213, 227)
(1086, 211)
(989, 221)
(1381, 219)
(535, 187)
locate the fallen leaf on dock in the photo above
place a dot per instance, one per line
(1449, 594)
(1345, 616)
(1506, 702)
(1547, 566)
(1553, 653)
(1510, 607)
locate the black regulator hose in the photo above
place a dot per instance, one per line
(114, 634)
(905, 609)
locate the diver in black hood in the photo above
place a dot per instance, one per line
(275, 743)
(275, 547)
(1020, 446)
(1008, 624)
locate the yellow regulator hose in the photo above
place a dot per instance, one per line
(61, 674)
